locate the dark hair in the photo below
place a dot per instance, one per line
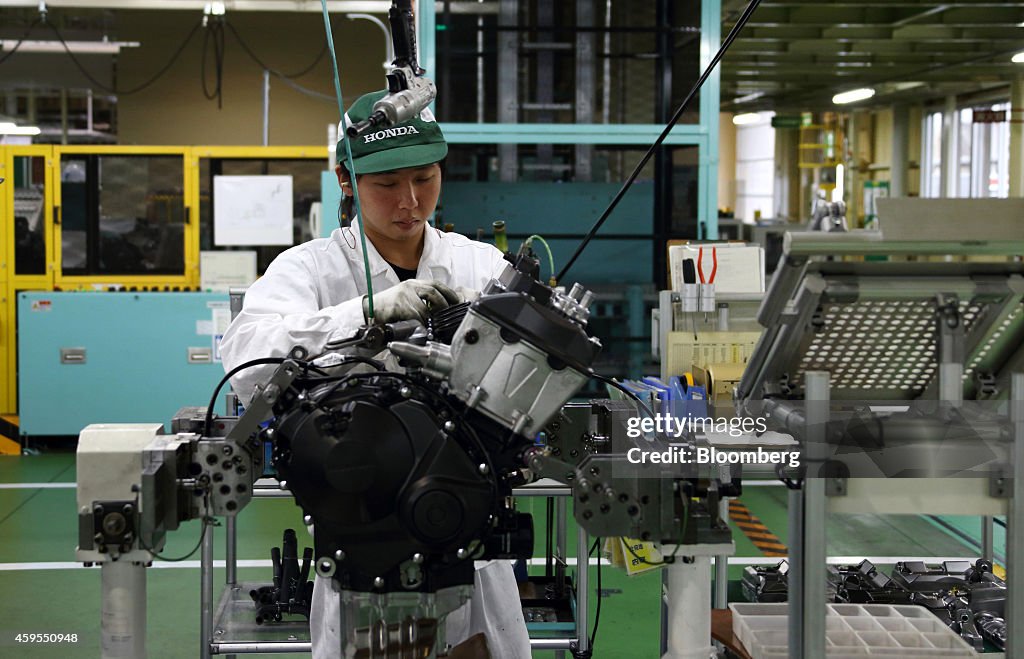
(347, 210)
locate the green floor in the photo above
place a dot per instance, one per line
(38, 526)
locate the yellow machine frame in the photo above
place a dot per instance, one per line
(53, 279)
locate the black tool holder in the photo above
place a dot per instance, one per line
(292, 591)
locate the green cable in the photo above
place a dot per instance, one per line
(348, 154)
(551, 259)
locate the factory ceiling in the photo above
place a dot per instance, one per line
(795, 54)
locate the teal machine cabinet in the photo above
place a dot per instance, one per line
(115, 357)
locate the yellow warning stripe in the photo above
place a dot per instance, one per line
(9, 444)
(755, 530)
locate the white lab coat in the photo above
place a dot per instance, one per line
(312, 294)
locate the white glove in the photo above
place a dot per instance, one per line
(413, 299)
(467, 294)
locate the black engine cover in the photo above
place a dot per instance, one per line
(383, 481)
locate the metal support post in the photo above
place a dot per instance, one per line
(722, 565)
(231, 551)
(508, 86)
(807, 529)
(666, 324)
(206, 594)
(585, 75)
(898, 171)
(1015, 526)
(561, 550)
(123, 621)
(689, 594)
(950, 331)
(987, 538)
(582, 590)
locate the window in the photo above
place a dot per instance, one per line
(755, 169)
(931, 167)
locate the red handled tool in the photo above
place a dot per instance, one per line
(714, 265)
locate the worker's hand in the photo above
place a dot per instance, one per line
(413, 299)
(467, 294)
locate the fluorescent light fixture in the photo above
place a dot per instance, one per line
(746, 118)
(853, 96)
(748, 97)
(7, 128)
(1018, 58)
(214, 9)
(80, 47)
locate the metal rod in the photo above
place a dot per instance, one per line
(561, 550)
(841, 244)
(796, 574)
(551, 643)
(266, 108)
(722, 564)
(206, 593)
(231, 551)
(582, 592)
(1015, 526)
(813, 585)
(264, 647)
(124, 610)
(987, 538)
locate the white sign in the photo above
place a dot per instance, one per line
(252, 210)
(219, 271)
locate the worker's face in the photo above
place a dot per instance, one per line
(395, 205)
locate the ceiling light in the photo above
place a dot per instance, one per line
(748, 98)
(82, 47)
(1018, 58)
(7, 128)
(853, 96)
(746, 118)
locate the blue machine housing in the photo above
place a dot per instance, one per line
(136, 367)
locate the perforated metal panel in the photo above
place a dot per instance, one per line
(878, 349)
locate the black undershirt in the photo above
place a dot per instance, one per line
(403, 273)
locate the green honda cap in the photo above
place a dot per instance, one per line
(413, 143)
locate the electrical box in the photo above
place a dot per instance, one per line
(105, 357)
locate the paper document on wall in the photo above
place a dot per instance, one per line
(220, 271)
(740, 267)
(252, 210)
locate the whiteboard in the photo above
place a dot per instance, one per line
(252, 210)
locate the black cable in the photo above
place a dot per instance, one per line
(216, 30)
(216, 392)
(733, 33)
(20, 40)
(255, 58)
(620, 387)
(177, 559)
(597, 613)
(114, 90)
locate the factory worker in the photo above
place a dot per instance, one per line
(314, 293)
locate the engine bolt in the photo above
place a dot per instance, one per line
(405, 391)
(462, 553)
(449, 426)
(417, 558)
(339, 555)
(307, 519)
(482, 468)
(378, 582)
